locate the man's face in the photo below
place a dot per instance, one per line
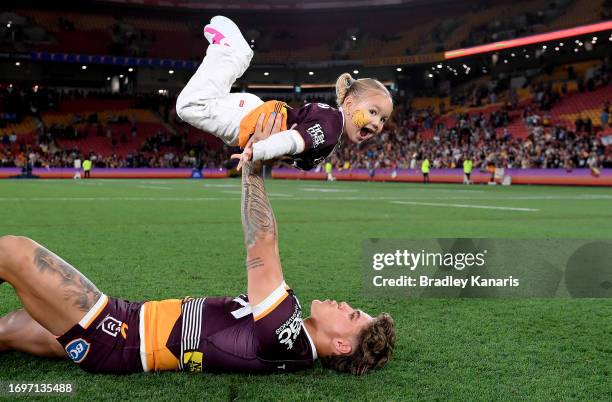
(339, 320)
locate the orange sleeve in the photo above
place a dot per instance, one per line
(248, 122)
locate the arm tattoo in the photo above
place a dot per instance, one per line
(77, 288)
(254, 263)
(257, 215)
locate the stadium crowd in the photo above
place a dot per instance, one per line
(163, 149)
(47, 154)
(445, 138)
(476, 137)
(487, 138)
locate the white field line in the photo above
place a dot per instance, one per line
(329, 190)
(87, 183)
(429, 189)
(89, 199)
(269, 194)
(280, 195)
(435, 204)
(154, 182)
(403, 199)
(156, 187)
(221, 185)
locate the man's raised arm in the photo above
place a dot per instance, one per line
(260, 234)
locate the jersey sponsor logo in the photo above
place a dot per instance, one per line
(112, 326)
(289, 331)
(316, 134)
(192, 361)
(77, 350)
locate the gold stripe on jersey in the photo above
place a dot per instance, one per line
(158, 319)
(271, 302)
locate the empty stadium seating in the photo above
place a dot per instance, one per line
(585, 105)
(383, 32)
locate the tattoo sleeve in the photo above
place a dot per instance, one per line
(77, 288)
(254, 263)
(257, 215)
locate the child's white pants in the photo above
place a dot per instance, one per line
(206, 102)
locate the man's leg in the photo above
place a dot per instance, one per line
(53, 293)
(19, 331)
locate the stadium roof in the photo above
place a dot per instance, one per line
(273, 5)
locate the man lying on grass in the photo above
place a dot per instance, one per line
(65, 315)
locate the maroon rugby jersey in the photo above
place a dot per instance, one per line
(321, 126)
(224, 334)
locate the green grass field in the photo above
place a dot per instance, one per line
(156, 239)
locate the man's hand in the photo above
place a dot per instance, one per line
(245, 156)
(272, 126)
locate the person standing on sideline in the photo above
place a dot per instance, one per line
(467, 170)
(87, 168)
(425, 170)
(328, 171)
(77, 168)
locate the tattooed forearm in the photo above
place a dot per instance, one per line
(77, 288)
(255, 263)
(257, 215)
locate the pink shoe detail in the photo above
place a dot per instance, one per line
(215, 37)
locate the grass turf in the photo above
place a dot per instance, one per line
(156, 239)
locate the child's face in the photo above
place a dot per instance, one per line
(366, 116)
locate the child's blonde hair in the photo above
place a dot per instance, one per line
(346, 85)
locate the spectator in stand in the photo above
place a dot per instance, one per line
(603, 118)
(588, 125)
